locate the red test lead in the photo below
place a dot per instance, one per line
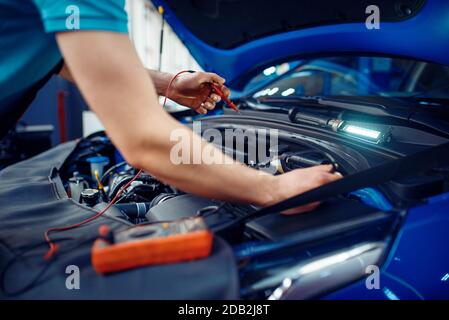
(217, 90)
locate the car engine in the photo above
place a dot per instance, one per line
(96, 172)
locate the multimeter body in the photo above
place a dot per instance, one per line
(159, 243)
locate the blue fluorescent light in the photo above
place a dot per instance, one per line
(362, 132)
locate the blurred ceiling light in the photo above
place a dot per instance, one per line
(288, 92)
(262, 93)
(273, 91)
(282, 68)
(269, 71)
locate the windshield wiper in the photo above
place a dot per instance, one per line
(376, 108)
(248, 103)
(398, 110)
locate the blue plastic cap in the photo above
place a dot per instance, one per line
(98, 160)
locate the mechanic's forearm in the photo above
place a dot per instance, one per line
(198, 167)
(123, 97)
(160, 80)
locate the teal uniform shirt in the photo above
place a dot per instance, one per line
(29, 54)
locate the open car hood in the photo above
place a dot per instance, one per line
(238, 38)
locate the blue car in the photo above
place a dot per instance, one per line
(294, 54)
(362, 87)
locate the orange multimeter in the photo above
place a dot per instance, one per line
(158, 243)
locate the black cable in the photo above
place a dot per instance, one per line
(114, 167)
(32, 283)
(122, 197)
(119, 185)
(209, 210)
(35, 281)
(142, 198)
(240, 217)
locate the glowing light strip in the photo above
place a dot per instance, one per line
(364, 132)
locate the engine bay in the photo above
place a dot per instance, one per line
(271, 248)
(264, 247)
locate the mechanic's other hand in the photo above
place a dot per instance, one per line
(302, 180)
(193, 90)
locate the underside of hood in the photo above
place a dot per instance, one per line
(236, 38)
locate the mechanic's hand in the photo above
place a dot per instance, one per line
(192, 90)
(301, 180)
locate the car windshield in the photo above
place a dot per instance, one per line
(355, 76)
